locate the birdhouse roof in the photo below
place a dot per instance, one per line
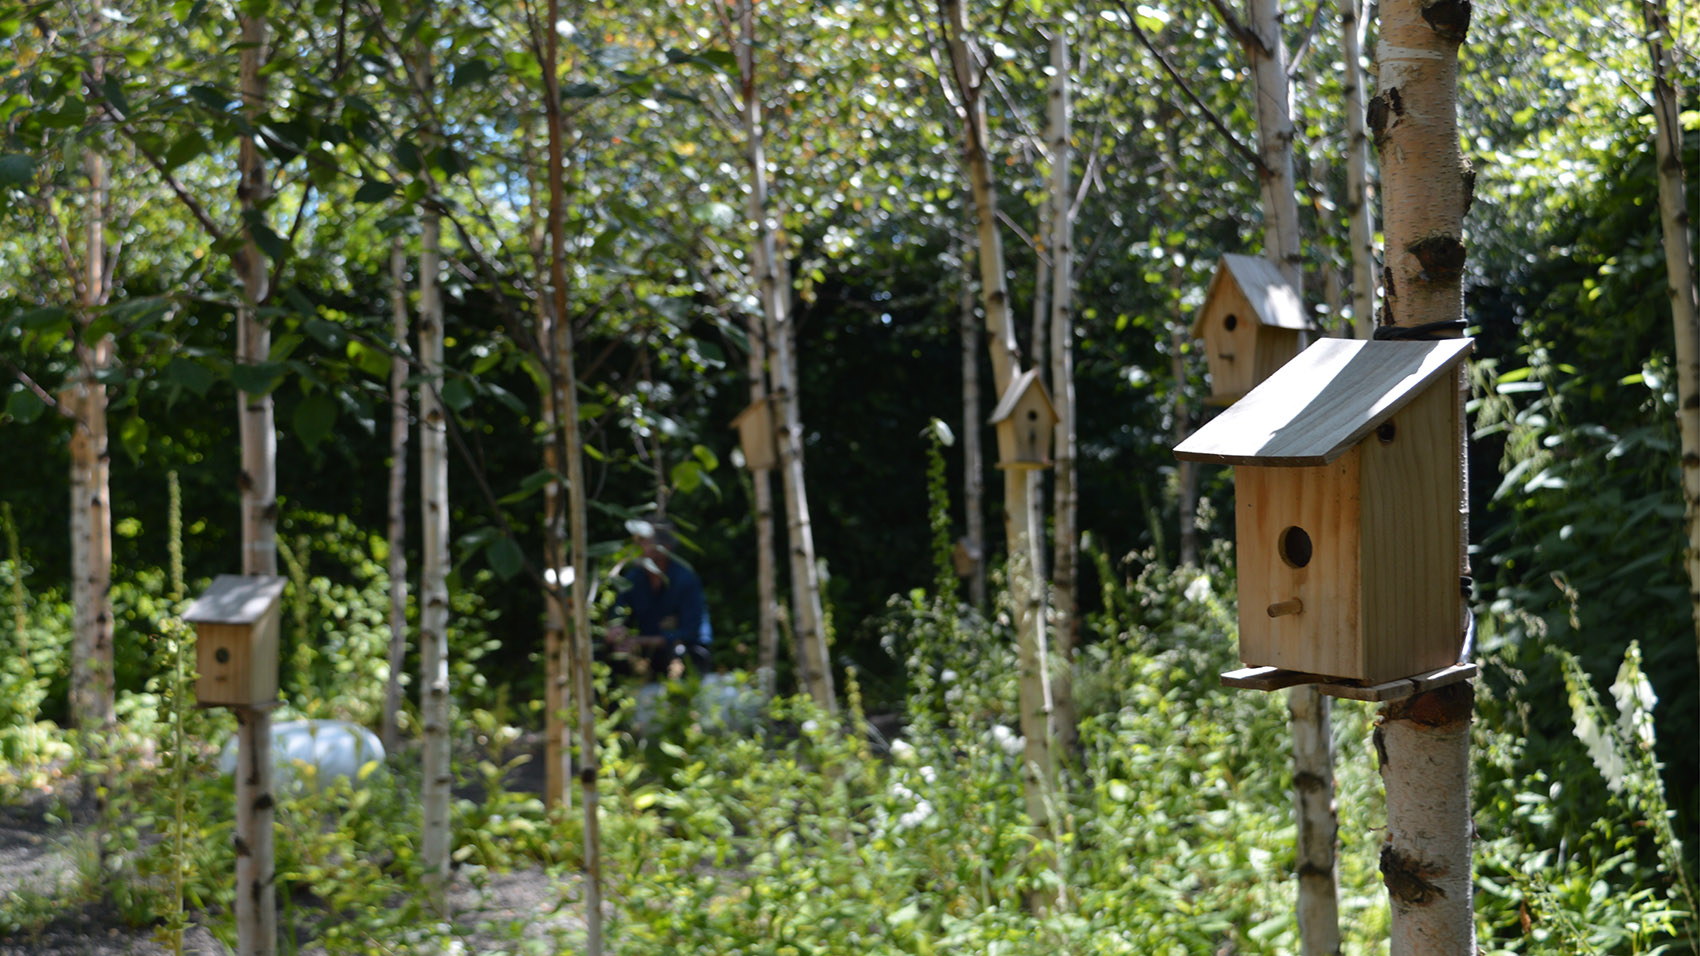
(1271, 297)
(1018, 389)
(1323, 402)
(750, 409)
(235, 599)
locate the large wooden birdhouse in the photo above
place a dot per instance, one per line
(1251, 323)
(1347, 509)
(1025, 421)
(236, 623)
(757, 436)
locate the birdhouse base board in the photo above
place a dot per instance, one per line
(1276, 678)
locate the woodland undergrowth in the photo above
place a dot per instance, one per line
(797, 833)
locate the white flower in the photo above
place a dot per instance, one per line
(809, 726)
(901, 750)
(1199, 589)
(947, 676)
(953, 695)
(915, 817)
(1011, 742)
(928, 774)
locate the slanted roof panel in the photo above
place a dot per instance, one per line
(1274, 299)
(1012, 396)
(1323, 402)
(235, 599)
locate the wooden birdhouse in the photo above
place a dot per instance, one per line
(1251, 322)
(236, 623)
(964, 558)
(1347, 509)
(757, 436)
(1026, 422)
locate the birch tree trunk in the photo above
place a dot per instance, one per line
(973, 423)
(807, 611)
(1064, 567)
(397, 497)
(91, 503)
(1423, 742)
(256, 901)
(1679, 272)
(1268, 52)
(1313, 753)
(566, 397)
(1365, 271)
(557, 544)
(434, 705)
(767, 593)
(1038, 771)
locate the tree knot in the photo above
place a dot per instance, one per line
(1409, 880)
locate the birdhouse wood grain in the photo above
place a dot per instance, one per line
(236, 623)
(1347, 509)
(1251, 323)
(1025, 422)
(756, 435)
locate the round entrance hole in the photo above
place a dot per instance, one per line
(1231, 322)
(222, 655)
(1294, 547)
(1385, 433)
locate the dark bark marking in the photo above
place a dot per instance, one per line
(1442, 257)
(1380, 747)
(1309, 782)
(1692, 401)
(1690, 460)
(1443, 707)
(1408, 879)
(1382, 108)
(241, 846)
(1448, 18)
(587, 776)
(1469, 177)
(1310, 871)
(264, 802)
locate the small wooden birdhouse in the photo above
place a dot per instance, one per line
(236, 624)
(1250, 322)
(964, 558)
(757, 436)
(1026, 421)
(1347, 509)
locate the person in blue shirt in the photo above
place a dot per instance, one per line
(663, 619)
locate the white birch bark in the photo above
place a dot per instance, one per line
(566, 404)
(434, 705)
(973, 425)
(767, 593)
(397, 497)
(1313, 757)
(1423, 742)
(1038, 776)
(1359, 209)
(92, 691)
(1679, 273)
(1066, 546)
(807, 611)
(1268, 52)
(256, 900)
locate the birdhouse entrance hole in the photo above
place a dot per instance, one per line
(1231, 322)
(1294, 547)
(1385, 433)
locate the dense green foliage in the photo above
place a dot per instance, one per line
(1175, 829)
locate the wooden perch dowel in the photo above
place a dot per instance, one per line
(1283, 608)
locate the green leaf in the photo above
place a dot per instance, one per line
(374, 190)
(210, 97)
(37, 319)
(506, 559)
(580, 91)
(530, 486)
(314, 418)
(258, 378)
(24, 406)
(16, 169)
(270, 243)
(470, 72)
(374, 362)
(133, 435)
(407, 156)
(328, 334)
(113, 89)
(457, 395)
(190, 374)
(188, 146)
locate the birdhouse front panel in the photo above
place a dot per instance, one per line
(757, 436)
(236, 625)
(1230, 329)
(1298, 542)
(1413, 618)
